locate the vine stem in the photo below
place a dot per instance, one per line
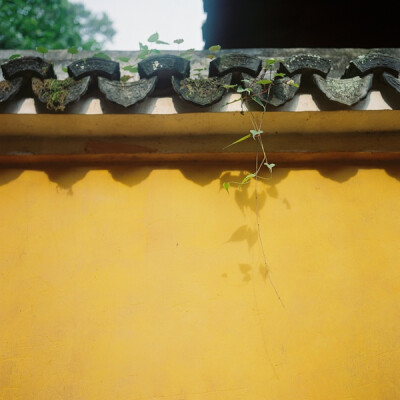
(259, 228)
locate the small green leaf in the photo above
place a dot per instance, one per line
(65, 69)
(125, 78)
(154, 51)
(279, 75)
(247, 178)
(123, 59)
(178, 41)
(226, 186)
(238, 141)
(210, 56)
(269, 166)
(270, 62)
(143, 54)
(215, 48)
(241, 90)
(41, 49)
(72, 50)
(161, 42)
(102, 55)
(229, 86)
(255, 133)
(153, 38)
(264, 82)
(14, 56)
(143, 46)
(258, 101)
(131, 68)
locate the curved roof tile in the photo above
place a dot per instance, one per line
(168, 71)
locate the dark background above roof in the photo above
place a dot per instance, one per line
(310, 23)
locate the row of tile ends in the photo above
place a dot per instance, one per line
(168, 73)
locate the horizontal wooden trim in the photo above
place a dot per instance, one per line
(288, 137)
(193, 124)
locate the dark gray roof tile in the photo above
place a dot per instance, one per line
(27, 67)
(9, 88)
(164, 67)
(126, 94)
(236, 64)
(392, 81)
(372, 63)
(306, 63)
(344, 91)
(58, 94)
(201, 92)
(282, 90)
(94, 67)
(169, 71)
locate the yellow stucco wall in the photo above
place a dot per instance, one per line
(141, 283)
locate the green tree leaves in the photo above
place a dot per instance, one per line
(56, 24)
(42, 50)
(73, 50)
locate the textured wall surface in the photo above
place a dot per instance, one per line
(148, 283)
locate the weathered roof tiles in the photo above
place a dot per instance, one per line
(171, 73)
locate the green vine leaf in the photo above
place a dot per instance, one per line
(72, 50)
(125, 78)
(258, 101)
(153, 38)
(131, 68)
(238, 141)
(241, 90)
(42, 50)
(154, 51)
(123, 59)
(161, 42)
(229, 86)
(264, 82)
(247, 178)
(279, 75)
(270, 62)
(142, 55)
(215, 48)
(178, 41)
(226, 186)
(14, 56)
(102, 55)
(269, 166)
(64, 69)
(255, 133)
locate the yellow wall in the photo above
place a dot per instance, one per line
(141, 283)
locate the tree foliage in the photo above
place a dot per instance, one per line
(55, 24)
